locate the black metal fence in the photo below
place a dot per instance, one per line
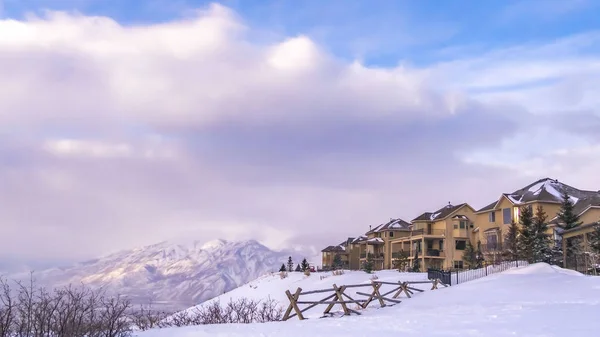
(458, 276)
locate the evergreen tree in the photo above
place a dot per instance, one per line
(304, 265)
(511, 248)
(569, 220)
(567, 213)
(526, 234)
(282, 269)
(402, 261)
(368, 264)
(298, 268)
(290, 264)
(541, 239)
(337, 261)
(479, 259)
(416, 262)
(469, 256)
(595, 239)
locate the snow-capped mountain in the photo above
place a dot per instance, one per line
(171, 275)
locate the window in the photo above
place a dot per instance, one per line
(492, 241)
(429, 245)
(455, 226)
(460, 244)
(463, 224)
(506, 219)
(441, 245)
(391, 234)
(458, 265)
(492, 216)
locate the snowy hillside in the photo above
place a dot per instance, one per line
(273, 287)
(174, 276)
(538, 300)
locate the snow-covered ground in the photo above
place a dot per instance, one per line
(273, 287)
(538, 300)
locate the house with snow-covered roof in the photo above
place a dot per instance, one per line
(376, 242)
(343, 250)
(493, 220)
(436, 238)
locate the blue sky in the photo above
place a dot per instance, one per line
(290, 122)
(379, 32)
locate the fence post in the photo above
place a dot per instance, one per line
(457, 276)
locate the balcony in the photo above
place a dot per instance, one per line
(376, 256)
(397, 255)
(435, 253)
(429, 231)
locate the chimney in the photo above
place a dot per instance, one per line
(370, 227)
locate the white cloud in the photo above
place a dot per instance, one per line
(125, 135)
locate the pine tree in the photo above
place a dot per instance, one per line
(290, 264)
(595, 239)
(468, 256)
(479, 259)
(511, 248)
(567, 213)
(541, 239)
(402, 261)
(337, 261)
(304, 264)
(526, 234)
(282, 269)
(298, 268)
(368, 264)
(569, 220)
(416, 262)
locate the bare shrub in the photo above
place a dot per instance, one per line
(28, 311)
(307, 272)
(242, 311)
(283, 274)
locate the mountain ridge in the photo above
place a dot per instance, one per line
(171, 275)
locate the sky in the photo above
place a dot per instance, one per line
(125, 123)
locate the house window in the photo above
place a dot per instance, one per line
(460, 244)
(391, 234)
(455, 226)
(458, 265)
(429, 245)
(492, 241)
(506, 219)
(463, 224)
(441, 246)
(492, 216)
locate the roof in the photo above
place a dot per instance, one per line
(581, 227)
(334, 249)
(581, 207)
(393, 224)
(544, 190)
(440, 214)
(360, 238)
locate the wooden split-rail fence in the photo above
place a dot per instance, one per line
(338, 296)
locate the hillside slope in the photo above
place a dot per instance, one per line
(538, 300)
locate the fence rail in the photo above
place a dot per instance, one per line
(460, 276)
(338, 296)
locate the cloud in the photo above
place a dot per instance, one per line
(128, 135)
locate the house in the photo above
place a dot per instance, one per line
(583, 233)
(376, 243)
(329, 253)
(493, 220)
(436, 238)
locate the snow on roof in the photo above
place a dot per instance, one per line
(545, 190)
(375, 240)
(434, 215)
